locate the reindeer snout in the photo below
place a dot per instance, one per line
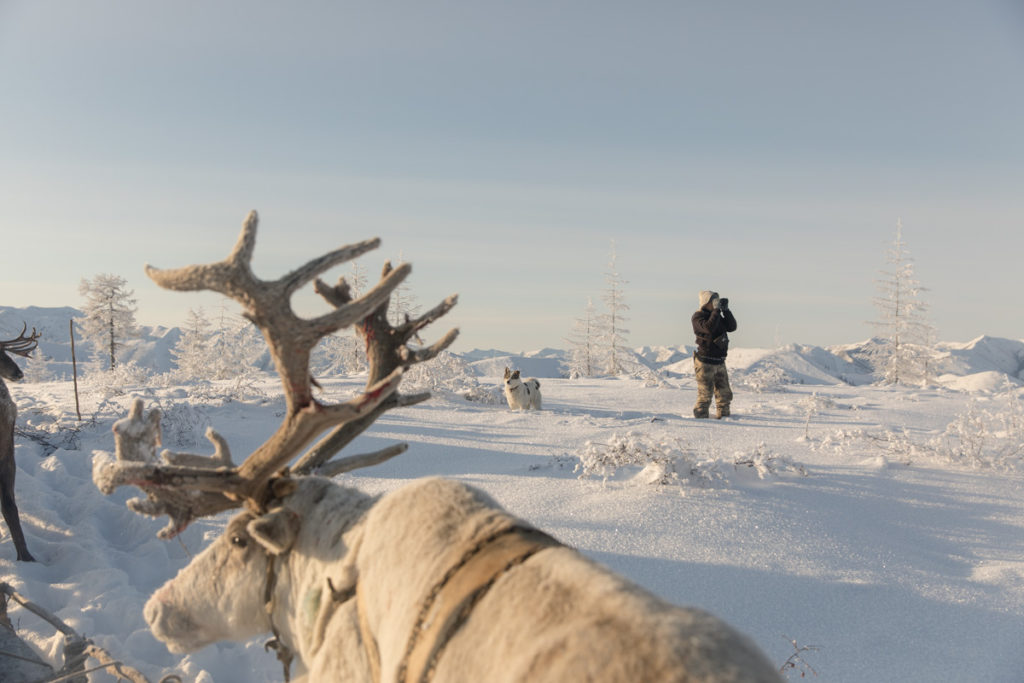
(172, 626)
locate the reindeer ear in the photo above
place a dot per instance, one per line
(276, 530)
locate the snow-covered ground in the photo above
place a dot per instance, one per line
(865, 538)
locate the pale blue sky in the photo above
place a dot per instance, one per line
(765, 150)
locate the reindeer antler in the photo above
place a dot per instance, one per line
(186, 486)
(387, 350)
(21, 345)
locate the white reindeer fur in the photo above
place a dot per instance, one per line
(521, 394)
(556, 617)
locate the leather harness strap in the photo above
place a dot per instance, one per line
(449, 604)
(283, 652)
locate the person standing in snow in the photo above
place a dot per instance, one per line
(711, 324)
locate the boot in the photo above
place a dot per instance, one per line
(723, 411)
(700, 413)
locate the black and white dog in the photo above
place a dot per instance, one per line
(521, 394)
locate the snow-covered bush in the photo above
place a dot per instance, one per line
(183, 425)
(119, 380)
(766, 464)
(37, 368)
(661, 462)
(488, 394)
(767, 377)
(338, 355)
(671, 462)
(811, 406)
(986, 438)
(447, 372)
(245, 386)
(977, 437)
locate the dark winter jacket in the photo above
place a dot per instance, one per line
(711, 328)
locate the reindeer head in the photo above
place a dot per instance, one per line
(224, 593)
(220, 584)
(218, 596)
(21, 346)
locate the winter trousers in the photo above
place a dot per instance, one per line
(711, 379)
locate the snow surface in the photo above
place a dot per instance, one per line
(894, 571)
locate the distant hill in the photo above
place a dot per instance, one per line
(985, 362)
(151, 349)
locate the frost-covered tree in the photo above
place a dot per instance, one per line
(109, 313)
(612, 331)
(236, 347)
(403, 304)
(906, 350)
(583, 343)
(192, 352)
(357, 280)
(37, 368)
(338, 354)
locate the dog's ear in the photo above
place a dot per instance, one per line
(508, 373)
(515, 375)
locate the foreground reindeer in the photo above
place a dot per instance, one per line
(21, 346)
(433, 581)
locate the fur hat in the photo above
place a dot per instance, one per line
(706, 297)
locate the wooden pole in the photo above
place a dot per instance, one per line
(74, 367)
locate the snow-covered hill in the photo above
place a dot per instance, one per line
(956, 367)
(985, 361)
(151, 349)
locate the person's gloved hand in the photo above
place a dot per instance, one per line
(723, 304)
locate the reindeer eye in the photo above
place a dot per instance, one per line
(239, 541)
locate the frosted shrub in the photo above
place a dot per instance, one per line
(243, 387)
(37, 368)
(811, 406)
(662, 463)
(986, 438)
(447, 372)
(183, 425)
(338, 356)
(118, 380)
(487, 394)
(767, 464)
(768, 377)
(606, 459)
(976, 437)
